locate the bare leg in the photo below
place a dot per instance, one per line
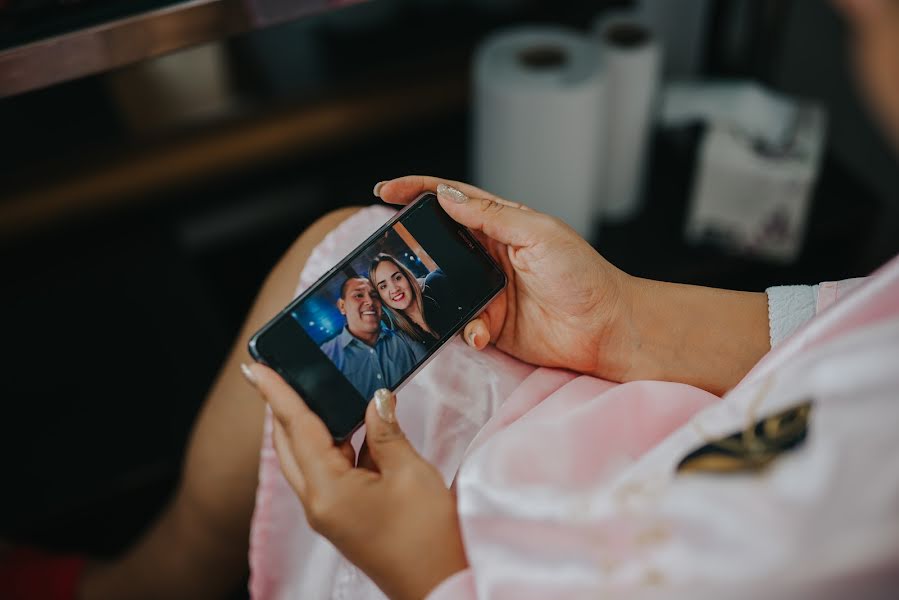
(198, 546)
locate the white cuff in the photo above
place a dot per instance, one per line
(789, 307)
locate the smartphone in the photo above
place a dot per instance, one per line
(381, 314)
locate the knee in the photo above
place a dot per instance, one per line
(326, 223)
(292, 262)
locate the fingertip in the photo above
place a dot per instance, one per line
(482, 338)
(451, 194)
(380, 417)
(263, 378)
(400, 190)
(248, 374)
(476, 334)
(387, 192)
(385, 405)
(468, 334)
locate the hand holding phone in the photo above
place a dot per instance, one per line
(565, 306)
(379, 515)
(378, 316)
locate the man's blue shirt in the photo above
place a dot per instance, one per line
(370, 368)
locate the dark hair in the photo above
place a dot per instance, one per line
(405, 324)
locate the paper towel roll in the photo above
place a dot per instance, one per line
(632, 59)
(538, 122)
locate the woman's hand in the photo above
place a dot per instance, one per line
(396, 521)
(564, 306)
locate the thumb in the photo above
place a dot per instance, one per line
(477, 332)
(506, 222)
(386, 442)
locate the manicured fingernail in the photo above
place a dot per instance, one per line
(249, 375)
(451, 193)
(472, 338)
(385, 403)
(377, 190)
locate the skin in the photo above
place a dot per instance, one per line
(197, 548)
(875, 54)
(361, 306)
(396, 292)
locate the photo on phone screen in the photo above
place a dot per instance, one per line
(381, 313)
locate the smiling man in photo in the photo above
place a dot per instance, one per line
(368, 354)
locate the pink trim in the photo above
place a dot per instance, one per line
(828, 293)
(260, 586)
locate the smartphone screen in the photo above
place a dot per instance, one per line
(380, 314)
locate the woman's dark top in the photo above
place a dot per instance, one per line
(441, 310)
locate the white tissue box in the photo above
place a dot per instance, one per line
(751, 196)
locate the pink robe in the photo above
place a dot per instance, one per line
(567, 487)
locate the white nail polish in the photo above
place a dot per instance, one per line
(451, 193)
(377, 190)
(385, 405)
(249, 375)
(471, 338)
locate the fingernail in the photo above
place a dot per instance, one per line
(386, 405)
(451, 193)
(472, 337)
(377, 190)
(249, 375)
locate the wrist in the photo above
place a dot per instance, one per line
(655, 331)
(414, 576)
(615, 333)
(420, 585)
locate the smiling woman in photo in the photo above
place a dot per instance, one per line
(402, 298)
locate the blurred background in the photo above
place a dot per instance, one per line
(159, 156)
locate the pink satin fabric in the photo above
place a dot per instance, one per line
(567, 486)
(603, 513)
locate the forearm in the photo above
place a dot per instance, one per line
(706, 337)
